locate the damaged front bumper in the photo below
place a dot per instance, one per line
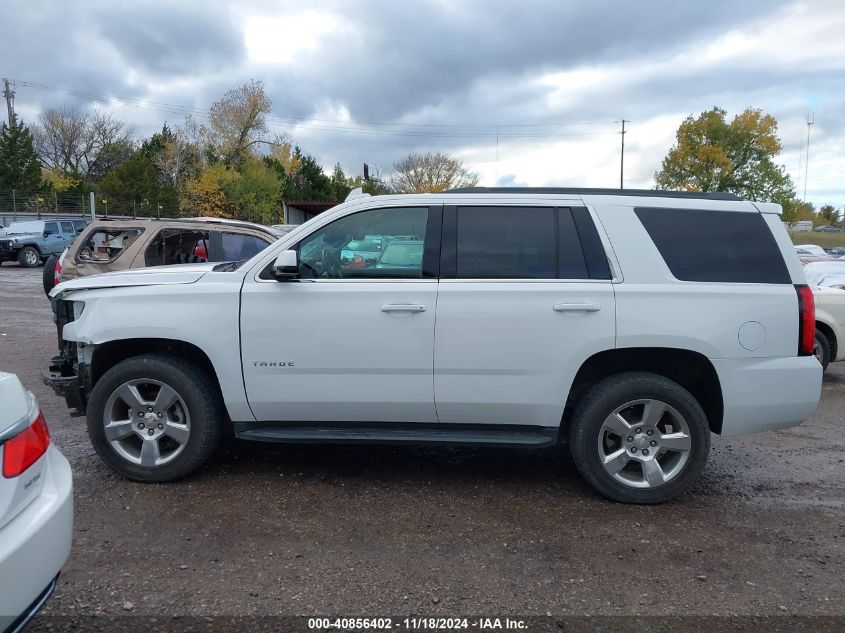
(69, 373)
(70, 381)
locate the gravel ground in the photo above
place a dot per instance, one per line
(271, 529)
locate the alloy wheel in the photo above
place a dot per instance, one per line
(146, 422)
(644, 443)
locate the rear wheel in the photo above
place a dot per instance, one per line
(639, 438)
(154, 418)
(821, 349)
(48, 275)
(29, 257)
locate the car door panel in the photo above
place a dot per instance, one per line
(328, 351)
(506, 353)
(351, 349)
(525, 299)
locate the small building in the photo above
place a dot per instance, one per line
(299, 211)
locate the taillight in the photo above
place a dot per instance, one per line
(23, 450)
(57, 272)
(806, 320)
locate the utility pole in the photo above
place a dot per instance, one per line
(10, 100)
(622, 158)
(810, 121)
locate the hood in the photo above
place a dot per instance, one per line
(158, 276)
(21, 236)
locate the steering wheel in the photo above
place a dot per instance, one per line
(331, 264)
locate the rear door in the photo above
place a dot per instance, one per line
(525, 297)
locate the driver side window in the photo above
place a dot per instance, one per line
(374, 244)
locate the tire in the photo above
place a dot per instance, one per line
(194, 419)
(671, 470)
(47, 276)
(29, 257)
(821, 349)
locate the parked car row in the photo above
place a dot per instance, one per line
(825, 274)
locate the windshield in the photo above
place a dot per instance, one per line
(24, 227)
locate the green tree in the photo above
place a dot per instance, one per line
(19, 165)
(339, 183)
(711, 154)
(828, 215)
(307, 181)
(133, 182)
(257, 193)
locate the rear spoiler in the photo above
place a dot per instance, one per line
(768, 207)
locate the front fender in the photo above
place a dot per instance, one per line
(206, 316)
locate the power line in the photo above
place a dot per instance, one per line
(309, 123)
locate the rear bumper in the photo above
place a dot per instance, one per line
(32, 610)
(36, 543)
(766, 394)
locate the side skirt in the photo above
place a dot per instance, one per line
(392, 433)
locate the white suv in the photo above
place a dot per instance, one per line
(632, 323)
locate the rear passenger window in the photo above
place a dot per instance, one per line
(177, 246)
(719, 246)
(506, 243)
(237, 247)
(525, 243)
(102, 246)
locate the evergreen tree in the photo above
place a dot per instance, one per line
(19, 165)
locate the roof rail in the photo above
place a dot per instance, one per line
(586, 191)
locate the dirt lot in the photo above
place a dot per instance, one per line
(269, 529)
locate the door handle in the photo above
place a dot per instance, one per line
(403, 307)
(577, 307)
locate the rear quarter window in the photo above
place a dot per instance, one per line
(715, 246)
(102, 246)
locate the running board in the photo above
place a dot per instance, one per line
(436, 434)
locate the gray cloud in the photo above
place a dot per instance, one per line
(177, 40)
(432, 61)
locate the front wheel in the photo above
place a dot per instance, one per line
(639, 437)
(29, 257)
(154, 418)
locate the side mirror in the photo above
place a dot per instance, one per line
(286, 266)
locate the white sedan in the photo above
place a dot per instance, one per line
(36, 507)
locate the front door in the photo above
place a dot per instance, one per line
(352, 340)
(525, 298)
(53, 241)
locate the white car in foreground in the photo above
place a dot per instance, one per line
(36, 507)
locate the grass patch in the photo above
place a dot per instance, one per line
(825, 240)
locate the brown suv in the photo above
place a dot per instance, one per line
(113, 245)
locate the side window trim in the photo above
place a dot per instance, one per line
(432, 241)
(594, 253)
(449, 243)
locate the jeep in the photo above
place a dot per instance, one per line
(30, 243)
(629, 325)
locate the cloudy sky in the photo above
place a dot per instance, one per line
(527, 93)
